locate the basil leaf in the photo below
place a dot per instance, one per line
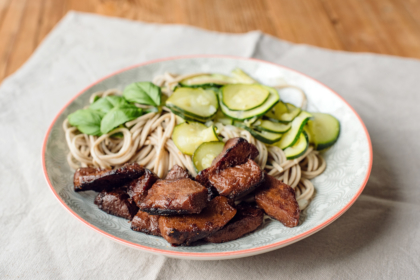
(118, 116)
(106, 104)
(143, 93)
(87, 121)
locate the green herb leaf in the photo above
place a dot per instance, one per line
(87, 121)
(106, 104)
(143, 93)
(118, 116)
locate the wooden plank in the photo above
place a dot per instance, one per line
(413, 8)
(229, 16)
(8, 31)
(354, 27)
(26, 39)
(303, 21)
(4, 4)
(52, 12)
(380, 26)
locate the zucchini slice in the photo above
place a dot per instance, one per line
(272, 126)
(205, 153)
(272, 99)
(242, 97)
(263, 136)
(241, 77)
(188, 136)
(283, 113)
(324, 130)
(195, 102)
(290, 137)
(299, 148)
(186, 117)
(207, 80)
(221, 118)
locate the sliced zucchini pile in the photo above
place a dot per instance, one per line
(188, 136)
(205, 153)
(193, 103)
(216, 100)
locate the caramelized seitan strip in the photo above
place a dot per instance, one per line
(177, 172)
(146, 223)
(89, 178)
(278, 201)
(237, 181)
(184, 230)
(137, 189)
(236, 151)
(116, 203)
(175, 197)
(247, 219)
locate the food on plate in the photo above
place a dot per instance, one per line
(97, 179)
(137, 189)
(235, 152)
(183, 147)
(177, 196)
(146, 223)
(117, 203)
(186, 229)
(237, 181)
(205, 153)
(177, 172)
(247, 219)
(278, 200)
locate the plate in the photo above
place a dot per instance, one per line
(349, 162)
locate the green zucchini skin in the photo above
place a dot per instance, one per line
(291, 108)
(294, 132)
(246, 115)
(214, 146)
(186, 117)
(203, 86)
(222, 97)
(326, 127)
(215, 77)
(261, 126)
(301, 152)
(186, 130)
(257, 134)
(190, 95)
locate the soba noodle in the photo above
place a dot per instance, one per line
(147, 141)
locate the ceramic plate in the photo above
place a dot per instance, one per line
(348, 162)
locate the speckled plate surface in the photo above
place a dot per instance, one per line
(348, 162)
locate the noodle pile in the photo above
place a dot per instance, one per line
(147, 141)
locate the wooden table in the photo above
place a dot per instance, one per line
(379, 26)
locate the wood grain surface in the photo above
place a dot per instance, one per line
(378, 26)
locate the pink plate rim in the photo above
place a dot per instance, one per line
(220, 255)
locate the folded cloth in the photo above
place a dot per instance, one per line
(378, 238)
